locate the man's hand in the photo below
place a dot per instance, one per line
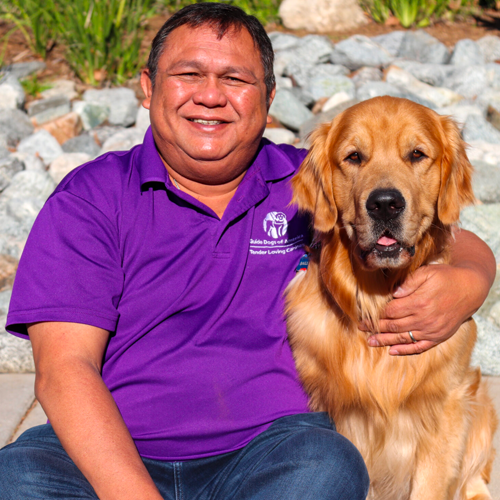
(437, 299)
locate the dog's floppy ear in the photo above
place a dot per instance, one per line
(313, 184)
(456, 175)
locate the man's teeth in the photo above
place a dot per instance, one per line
(206, 122)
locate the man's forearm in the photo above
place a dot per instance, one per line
(83, 412)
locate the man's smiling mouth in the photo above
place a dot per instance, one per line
(206, 122)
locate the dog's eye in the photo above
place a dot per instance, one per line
(417, 155)
(354, 158)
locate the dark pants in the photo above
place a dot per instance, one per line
(299, 457)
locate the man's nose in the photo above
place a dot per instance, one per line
(210, 93)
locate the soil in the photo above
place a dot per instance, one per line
(474, 27)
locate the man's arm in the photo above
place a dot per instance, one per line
(437, 299)
(68, 384)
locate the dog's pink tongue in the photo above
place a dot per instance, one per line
(385, 241)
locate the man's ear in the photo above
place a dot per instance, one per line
(271, 98)
(147, 87)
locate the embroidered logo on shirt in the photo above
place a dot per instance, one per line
(275, 224)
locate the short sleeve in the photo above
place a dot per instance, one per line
(70, 269)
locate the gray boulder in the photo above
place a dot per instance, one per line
(366, 74)
(459, 112)
(143, 122)
(289, 110)
(92, 114)
(283, 41)
(376, 89)
(44, 110)
(282, 59)
(122, 103)
(424, 48)
(65, 163)
(486, 182)
(493, 75)
(305, 97)
(23, 69)
(16, 355)
(279, 135)
(29, 161)
(469, 81)
(61, 87)
(390, 41)
(123, 140)
(487, 350)
(12, 94)
(466, 53)
(15, 125)
(489, 46)
(433, 74)
(83, 143)
(358, 51)
(484, 221)
(326, 86)
(42, 144)
(9, 166)
(476, 128)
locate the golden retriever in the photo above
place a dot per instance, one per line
(384, 183)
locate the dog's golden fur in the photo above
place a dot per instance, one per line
(423, 423)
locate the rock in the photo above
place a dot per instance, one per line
(487, 350)
(103, 133)
(366, 74)
(439, 96)
(63, 128)
(142, 122)
(65, 163)
(483, 220)
(23, 69)
(335, 100)
(390, 41)
(303, 96)
(9, 167)
(469, 81)
(283, 41)
(466, 53)
(494, 315)
(358, 51)
(321, 16)
(8, 268)
(83, 143)
(282, 82)
(15, 125)
(122, 104)
(289, 110)
(493, 75)
(483, 151)
(11, 92)
(123, 141)
(44, 110)
(91, 114)
(4, 152)
(279, 135)
(42, 144)
(477, 128)
(326, 86)
(489, 46)
(485, 182)
(491, 301)
(459, 112)
(29, 161)
(61, 87)
(16, 355)
(433, 74)
(282, 59)
(424, 48)
(375, 89)
(316, 120)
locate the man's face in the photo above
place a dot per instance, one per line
(208, 106)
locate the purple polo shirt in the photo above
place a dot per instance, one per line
(198, 360)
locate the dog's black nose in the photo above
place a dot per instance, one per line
(385, 204)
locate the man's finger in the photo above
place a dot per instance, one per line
(391, 339)
(412, 283)
(413, 348)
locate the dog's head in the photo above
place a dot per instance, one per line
(385, 170)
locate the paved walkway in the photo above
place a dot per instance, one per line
(19, 411)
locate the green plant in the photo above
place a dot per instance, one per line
(266, 11)
(379, 10)
(33, 87)
(33, 20)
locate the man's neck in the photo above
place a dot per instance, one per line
(216, 197)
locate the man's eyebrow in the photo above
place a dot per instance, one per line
(188, 63)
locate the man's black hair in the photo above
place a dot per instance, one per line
(221, 18)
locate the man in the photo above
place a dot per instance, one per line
(151, 289)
